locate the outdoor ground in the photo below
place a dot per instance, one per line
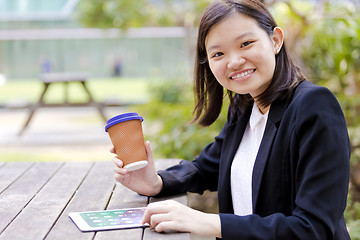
(71, 134)
(62, 134)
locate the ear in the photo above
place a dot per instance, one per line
(278, 39)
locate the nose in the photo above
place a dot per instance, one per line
(236, 61)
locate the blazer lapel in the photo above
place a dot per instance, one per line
(277, 110)
(261, 159)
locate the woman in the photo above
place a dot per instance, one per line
(281, 162)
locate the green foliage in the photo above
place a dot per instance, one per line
(140, 13)
(353, 208)
(113, 13)
(170, 114)
(171, 91)
(354, 229)
(352, 216)
(333, 54)
(351, 107)
(332, 58)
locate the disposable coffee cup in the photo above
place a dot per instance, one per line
(125, 131)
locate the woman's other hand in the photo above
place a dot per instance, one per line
(144, 181)
(170, 216)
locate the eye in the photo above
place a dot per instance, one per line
(247, 43)
(217, 54)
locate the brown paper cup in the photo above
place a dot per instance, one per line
(126, 135)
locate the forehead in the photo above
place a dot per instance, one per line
(235, 24)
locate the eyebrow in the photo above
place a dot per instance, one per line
(237, 38)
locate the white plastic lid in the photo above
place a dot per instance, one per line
(136, 165)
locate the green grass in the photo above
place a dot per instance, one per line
(32, 157)
(123, 89)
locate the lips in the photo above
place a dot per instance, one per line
(242, 74)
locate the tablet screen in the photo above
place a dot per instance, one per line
(108, 219)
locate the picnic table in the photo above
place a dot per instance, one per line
(37, 197)
(65, 78)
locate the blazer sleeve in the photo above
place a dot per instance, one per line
(198, 175)
(320, 153)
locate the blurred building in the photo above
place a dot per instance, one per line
(44, 35)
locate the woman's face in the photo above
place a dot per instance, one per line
(241, 55)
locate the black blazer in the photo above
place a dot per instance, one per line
(300, 177)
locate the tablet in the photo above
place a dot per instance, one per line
(108, 219)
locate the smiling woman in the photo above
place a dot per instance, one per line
(280, 163)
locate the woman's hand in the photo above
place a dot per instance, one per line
(143, 181)
(168, 216)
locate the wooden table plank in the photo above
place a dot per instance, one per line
(21, 192)
(93, 194)
(37, 218)
(124, 198)
(149, 233)
(10, 172)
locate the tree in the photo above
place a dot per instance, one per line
(140, 13)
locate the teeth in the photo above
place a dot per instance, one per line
(243, 74)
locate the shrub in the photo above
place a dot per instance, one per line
(169, 114)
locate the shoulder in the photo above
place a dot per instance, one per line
(308, 99)
(314, 105)
(308, 96)
(306, 89)
(310, 106)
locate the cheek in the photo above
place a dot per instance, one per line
(218, 72)
(271, 65)
(265, 61)
(217, 77)
(217, 69)
(268, 58)
(212, 66)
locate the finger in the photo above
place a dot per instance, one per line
(112, 150)
(146, 217)
(149, 152)
(121, 171)
(156, 219)
(167, 227)
(153, 208)
(117, 162)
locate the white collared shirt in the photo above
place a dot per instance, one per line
(243, 163)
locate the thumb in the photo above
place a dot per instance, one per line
(149, 152)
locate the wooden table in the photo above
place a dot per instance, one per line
(64, 78)
(36, 198)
